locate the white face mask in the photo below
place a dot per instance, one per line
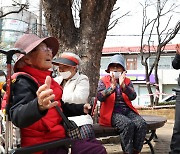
(116, 74)
(65, 75)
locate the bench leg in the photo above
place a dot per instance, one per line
(156, 137)
(150, 146)
(148, 141)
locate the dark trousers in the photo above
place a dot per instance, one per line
(175, 141)
(87, 131)
(132, 128)
(88, 146)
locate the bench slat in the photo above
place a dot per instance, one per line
(44, 146)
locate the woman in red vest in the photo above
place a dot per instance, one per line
(35, 95)
(115, 92)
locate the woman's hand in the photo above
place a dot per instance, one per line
(121, 79)
(113, 82)
(45, 95)
(87, 107)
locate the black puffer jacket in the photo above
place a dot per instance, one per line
(176, 64)
(25, 111)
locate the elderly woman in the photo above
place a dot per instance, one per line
(33, 109)
(75, 89)
(116, 91)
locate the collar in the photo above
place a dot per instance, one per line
(75, 76)
(36, 73)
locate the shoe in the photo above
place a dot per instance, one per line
(135, 151)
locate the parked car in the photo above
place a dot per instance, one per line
(169, 99)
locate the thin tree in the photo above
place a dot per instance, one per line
(86, 38)
(164, 36)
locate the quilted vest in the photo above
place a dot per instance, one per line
(107, 106)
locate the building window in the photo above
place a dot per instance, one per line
(131, 63)
(165, 62)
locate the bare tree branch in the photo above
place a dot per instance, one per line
(115, 9)
(173, 34)
(113, 23)
(11, 12)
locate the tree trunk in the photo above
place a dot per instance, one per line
(158, 54)
(148, 84)
(157, 84)
(151, 96)
(86, 40)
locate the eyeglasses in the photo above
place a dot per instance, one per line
(45, 49)
(42, 48)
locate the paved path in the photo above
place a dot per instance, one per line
(161, 145)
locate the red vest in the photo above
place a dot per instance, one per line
(107, 107)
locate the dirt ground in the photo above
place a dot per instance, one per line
(168, 113)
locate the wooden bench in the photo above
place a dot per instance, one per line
(153, 123)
